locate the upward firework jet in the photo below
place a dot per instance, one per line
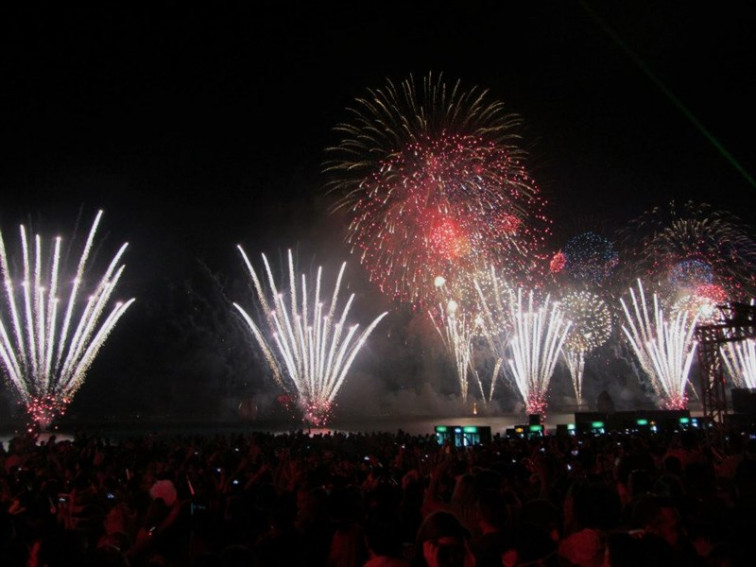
(539, 334)
(456, 329)
(495, 297)
(433, 183)
(591, 325)
(740, 361)
(665, 348)
(310, 346)
(47, 345)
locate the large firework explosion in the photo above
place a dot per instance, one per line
(538, 336)
(48, 342)
(664, 346)
(691, 246)
(433, 184)
(310, 347)
(740, 361)
(591, 326)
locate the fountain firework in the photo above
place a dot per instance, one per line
(539, 332)
(665, 348)
(456, 330)
(46, 352)
(312, 349)
(494, 298)
(740, 361)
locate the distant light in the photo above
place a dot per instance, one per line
(439, 281)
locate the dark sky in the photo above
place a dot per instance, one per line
(196, 128)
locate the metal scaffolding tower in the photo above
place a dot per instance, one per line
(738, 323)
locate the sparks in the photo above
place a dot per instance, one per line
(456, 330)
(740, 361)
(692, 245)
(538, 336)
(47, 345)
(665, 347)
(312, 348)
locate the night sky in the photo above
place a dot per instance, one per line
(197, 128)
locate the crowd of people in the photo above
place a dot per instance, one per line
(379, 499)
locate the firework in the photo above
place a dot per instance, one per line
(433, 184)
(310, 348)
(538, 336)
(494, 296)
(693, 245)
(691, 273)
(591, 325)
(587, 257)
(740, 361)
(457, 329)
(48, 345)
(665, 348)
(700, 302)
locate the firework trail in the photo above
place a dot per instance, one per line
(433, 183)
(312, 349)
(538, 336)
(689, 246)
(456, 330)
(47, 345)
(591, 326)
(740, 361)
(665, 348)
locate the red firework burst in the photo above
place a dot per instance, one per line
(558, 262)
(712, 292)
(447, 240)
(434, 185)
(426, 214)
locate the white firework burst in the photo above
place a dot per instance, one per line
(591, 325)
